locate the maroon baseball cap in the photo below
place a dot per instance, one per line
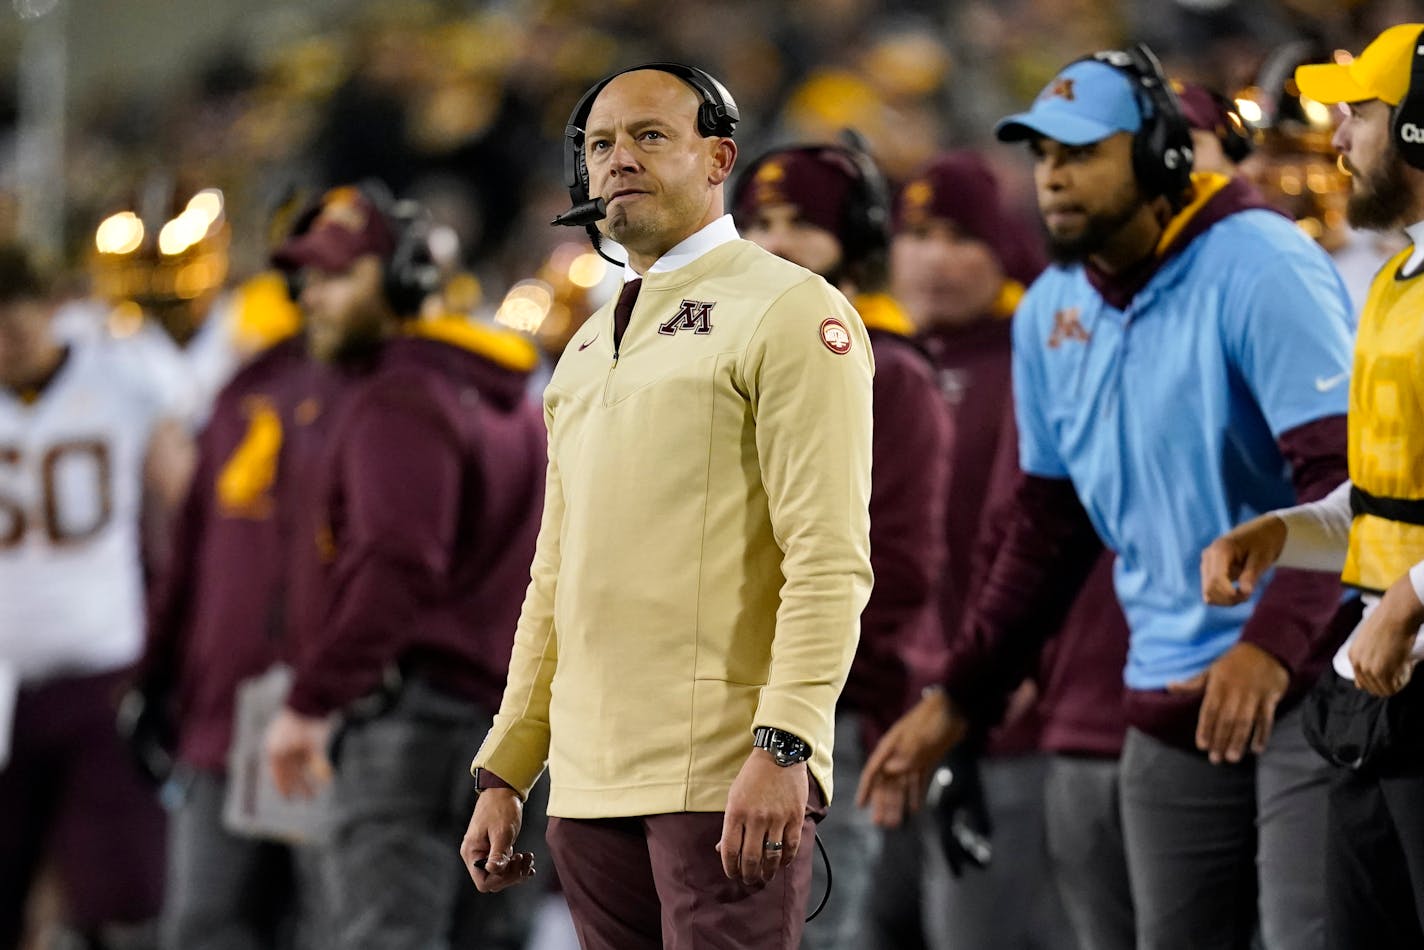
(344, 227)
(818, 181)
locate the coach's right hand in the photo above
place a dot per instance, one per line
(488, 848)
(895, 776)
(1234, 563)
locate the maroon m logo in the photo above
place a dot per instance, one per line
(694, 315)
(1067, 326)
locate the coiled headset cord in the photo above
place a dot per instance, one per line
(826, 858)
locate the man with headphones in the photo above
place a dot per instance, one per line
(419, 522)
(1183, 364)
(1367, 714)
(704, 556)
(827, 208)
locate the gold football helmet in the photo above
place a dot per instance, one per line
(165, 256)
(1294, 165)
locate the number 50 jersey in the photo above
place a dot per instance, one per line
(71, 486)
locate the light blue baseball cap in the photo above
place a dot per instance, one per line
(1085, 103)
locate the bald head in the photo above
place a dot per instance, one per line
(648, 90)
(661, 178)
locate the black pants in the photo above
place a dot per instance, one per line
(1375, 866)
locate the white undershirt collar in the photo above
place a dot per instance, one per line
(1416, 255)
(692, 247)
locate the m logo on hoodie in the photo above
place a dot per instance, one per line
(694, 315)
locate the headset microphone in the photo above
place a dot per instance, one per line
(582, 214)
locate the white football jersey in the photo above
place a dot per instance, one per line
(71, 488)
(149, 352)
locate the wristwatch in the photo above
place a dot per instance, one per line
(486, 780)
(785, 748)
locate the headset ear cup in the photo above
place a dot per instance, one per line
(871, 214)
(1164, 164)
(1236, 141)
(1146, 163)
(1408, 129)
(1237, 145)
(707, 119)
(412, 273)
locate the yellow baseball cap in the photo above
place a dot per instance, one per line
(1380, 72)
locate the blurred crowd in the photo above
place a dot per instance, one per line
(175, 203)
(461, 106)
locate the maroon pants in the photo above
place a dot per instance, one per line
(72, 795)
(656, 883)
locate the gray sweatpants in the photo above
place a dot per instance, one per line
(226, 892)
(402, 799)
(1012, 904)
(1086, 850)
(1216, 850)
(852, 843)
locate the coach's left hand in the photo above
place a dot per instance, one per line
(767, 803)
(1242, 689)
(296, 752)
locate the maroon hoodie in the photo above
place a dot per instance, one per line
(216, 615)
(426, 504)
(900, 632)
(1079, 677)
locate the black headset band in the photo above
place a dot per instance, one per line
(708, 88)
(1149, 83)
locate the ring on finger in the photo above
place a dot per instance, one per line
(772, 846)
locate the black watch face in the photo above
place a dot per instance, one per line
(788, 749)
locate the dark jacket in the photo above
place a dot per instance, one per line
(910, 451)
(425, 508)
(216, 615)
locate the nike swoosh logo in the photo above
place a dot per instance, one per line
(587, 343)
(1324, 385)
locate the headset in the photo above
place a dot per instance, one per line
(864, 231)
(1407, 128)
(1162, 148)
(717, 115)
(1237, 141)
(411, 273)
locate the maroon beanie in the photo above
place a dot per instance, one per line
(818, 181)
(961, 188)
(1201, 109)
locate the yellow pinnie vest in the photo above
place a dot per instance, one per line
(1387, 431)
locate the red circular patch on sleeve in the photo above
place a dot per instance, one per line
(835, 335)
